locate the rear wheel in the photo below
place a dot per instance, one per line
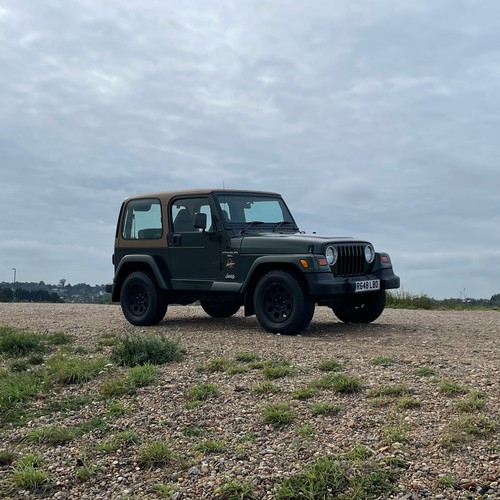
(143, 303)
(220, 309)
(281, 303)
(363, 308)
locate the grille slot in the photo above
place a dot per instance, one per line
(351, 260)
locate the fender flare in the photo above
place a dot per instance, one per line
(149, 261)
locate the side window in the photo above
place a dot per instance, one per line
(183, 213)
(142, 220)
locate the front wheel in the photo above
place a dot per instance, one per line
(362, 308)
(281, 303)
(220, 309)
(143, 303)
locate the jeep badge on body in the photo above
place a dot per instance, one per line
(231, 248)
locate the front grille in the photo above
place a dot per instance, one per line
(351, 260)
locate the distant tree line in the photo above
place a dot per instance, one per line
(23, 295)
(45, 292)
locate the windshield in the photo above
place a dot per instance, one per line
(244, 209)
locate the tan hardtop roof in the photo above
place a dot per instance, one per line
(166, 196)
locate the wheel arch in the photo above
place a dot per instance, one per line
(260, 270)
(133, 263)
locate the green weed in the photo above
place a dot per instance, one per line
(329, 365)
(325, 408)
(278, 414)
(151, 349)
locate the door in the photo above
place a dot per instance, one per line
(193, 253)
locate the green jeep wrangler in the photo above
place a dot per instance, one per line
(232, 248)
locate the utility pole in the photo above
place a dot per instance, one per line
(15, 271)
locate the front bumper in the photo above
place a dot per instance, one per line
(326, 285)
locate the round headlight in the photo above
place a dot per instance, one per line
(331, 255)
(369, 254)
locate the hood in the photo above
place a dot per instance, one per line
(267, 242)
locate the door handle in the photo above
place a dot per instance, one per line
(176, 240)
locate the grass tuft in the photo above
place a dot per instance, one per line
(338, 477)
(325, 408)
(158, 454)
(151, 349)
(425, 371)
(201, 392)
(212, 445)
(274, 369)
(450, 388)
(52, 434)
(473, 402)
(266, 387)
(329, 365)
(278, 414)
(467, 428)
(75, 370)
(17, 343)
(235, 490)
(382, 361)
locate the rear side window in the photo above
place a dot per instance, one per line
(142, 220)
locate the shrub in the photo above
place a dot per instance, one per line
(149, 349)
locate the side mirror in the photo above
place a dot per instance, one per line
(200, 221)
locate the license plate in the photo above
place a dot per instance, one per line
(367, 286)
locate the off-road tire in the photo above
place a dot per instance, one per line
(362, 308)
(220, 309)
(281, 303)
(143, 303)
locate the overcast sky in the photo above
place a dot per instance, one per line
(378, 119)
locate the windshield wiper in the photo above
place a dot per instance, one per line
(283, 222)
(249, 225)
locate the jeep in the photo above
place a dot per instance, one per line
(233, 248)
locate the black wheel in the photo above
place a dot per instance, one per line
(281, 304)
(143, 303)
(363, 308)
(220, 309)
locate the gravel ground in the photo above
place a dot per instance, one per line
(460, 346)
